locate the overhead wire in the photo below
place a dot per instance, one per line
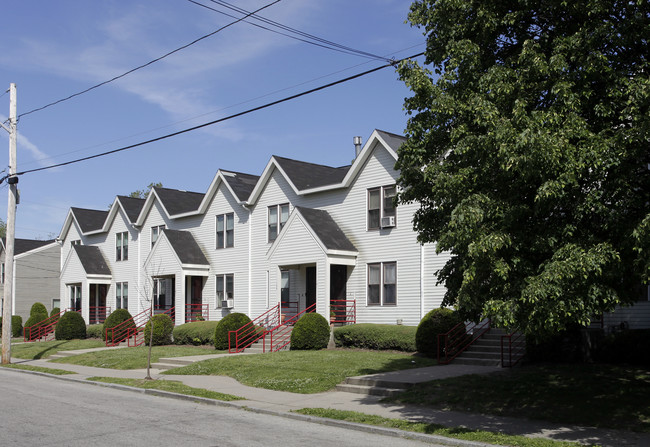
(146, 64)
(200, 126)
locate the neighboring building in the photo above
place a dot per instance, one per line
(36, 274)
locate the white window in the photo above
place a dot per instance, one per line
(122, 246)
(382, 284)
(284, 287)
(155, 233)
(225, 230)
(122, 295)
(381, 207)
(163, 293)
(74, 292)
(278, 216)
(225, 288)
(76, 242)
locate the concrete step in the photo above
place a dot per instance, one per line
(480, 355)
(368, 390)
(476, 361)
(178, 361)
(164, 365)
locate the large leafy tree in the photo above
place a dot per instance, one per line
(528, 152)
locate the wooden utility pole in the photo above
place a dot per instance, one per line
(12, 180)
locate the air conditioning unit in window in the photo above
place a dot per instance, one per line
(387, 222)
(228, 304)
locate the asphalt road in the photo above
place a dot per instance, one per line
(43, 411)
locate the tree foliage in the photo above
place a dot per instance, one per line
(143, 193)
(528, 152)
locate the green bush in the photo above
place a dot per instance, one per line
(38, 308)
(119, 316)
(311, 331)
(34, 322)
(376, 337)
(71, 326)
(55, 311)
(197, 333)
(230, 322)
(630, 347)
(437, 321)
(94, 331)
(16, 326)
(162, 330)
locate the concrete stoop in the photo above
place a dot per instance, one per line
(258, 346)
(486, 351)
(372, 387)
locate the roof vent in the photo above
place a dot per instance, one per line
(357, 146)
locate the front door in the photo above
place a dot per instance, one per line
(97, 303)
(338, 283)
(310, 286)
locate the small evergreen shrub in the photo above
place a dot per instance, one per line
(16, 326)
(376, 337)
(35, 321)
(55, 311)
(162, 330)
(437, 321)
(38, 308)
(94, 331)
(70, 326)
(311, 331)
(196, 333)
(117, 317)
(230, 322)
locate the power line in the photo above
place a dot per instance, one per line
(200, 126)
(147, 64)
(315, 40)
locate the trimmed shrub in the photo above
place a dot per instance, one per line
(71, 326)
(311, 331)
(38, 308)
(196, 333)
(230, 322)
(376, 337)
(16, 326)
(94, 331)
(55, 311)
(437, 321)
(162, 330)
(34, 322)
(115, 318)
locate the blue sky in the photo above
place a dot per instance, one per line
(54, 49)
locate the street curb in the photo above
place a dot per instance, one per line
(392, 432)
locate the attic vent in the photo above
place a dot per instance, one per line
(228, 174)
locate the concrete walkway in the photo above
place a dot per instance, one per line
(282, 402)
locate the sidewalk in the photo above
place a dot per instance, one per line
(283, 402)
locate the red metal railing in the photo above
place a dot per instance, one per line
(98, 314)
(343, 311)
(280, 336)
(136, 334)
(288, 309)
(513, 349)
(42, 330)
(459, 338)
(249, 333)
(197, 312)
(126, 329)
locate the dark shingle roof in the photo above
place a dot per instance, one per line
(326, 229)
(393, 140)
(185, 246)
(92, 260)
(89, 220)
(241, 184)
(132, 206)
(24, 245)
(179, 202)
(309, 175)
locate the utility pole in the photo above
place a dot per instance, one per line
(12, 180)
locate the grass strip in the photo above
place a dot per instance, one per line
(44, 349)
(132, 358)
(55, 371)
(172, 386)
(303, 372)
(435, 429)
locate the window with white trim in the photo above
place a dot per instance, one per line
(122, 246)
(382, 284)
(76, 242)
(122, 295)
(225, 288)
(225, 230)
(74, 292)
(156, 231)
(278, 216)
(381, 207)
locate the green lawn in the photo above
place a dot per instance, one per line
(132, 358)
(303, 371)
(43, 349)
(596, 395)
(435, 429)
(55, 371)
(172, 386)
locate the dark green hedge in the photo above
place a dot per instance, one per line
(376, 337)
(197, 333)
(437, 321)
(34, 322)
(117, 317)
(311, 331)
(16, 326)
(95, 331)
(71, 326)
(162, 330)
(230, 322)
(38, 308)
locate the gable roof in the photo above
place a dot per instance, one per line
(25, 245)
(185, 247)
(89, 220)
(326, 229)
(306, 175)
(131, 206)
(241, 184)
(391, 139)
(178, 202)
(92, 260)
